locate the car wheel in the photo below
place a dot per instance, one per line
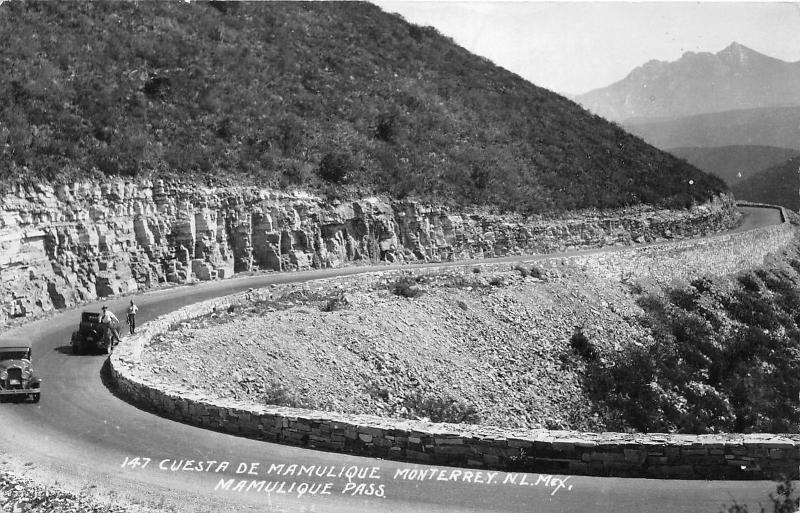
(36, 397)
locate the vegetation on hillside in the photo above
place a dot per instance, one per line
(725, 357)
(777, 185)
(336, 97)
(734, 163)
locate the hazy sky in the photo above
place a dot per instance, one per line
(574, 47)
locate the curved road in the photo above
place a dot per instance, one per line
(80, 435)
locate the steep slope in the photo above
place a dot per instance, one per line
(734, 163)
(698, 83)
(777, 185)
(340, 98)
(775, 126)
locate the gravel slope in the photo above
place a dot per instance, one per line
(490, 347)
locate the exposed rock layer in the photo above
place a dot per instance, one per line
(63, 246)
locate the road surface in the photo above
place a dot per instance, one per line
(80, 436)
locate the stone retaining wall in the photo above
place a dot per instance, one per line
(732, 456)
(684, 259)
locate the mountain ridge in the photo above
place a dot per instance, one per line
(734, 163)
(736, 77)
(765, 126)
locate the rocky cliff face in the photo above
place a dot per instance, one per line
(65, 245)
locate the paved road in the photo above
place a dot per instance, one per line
(80, 435)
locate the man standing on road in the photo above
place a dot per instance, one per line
(110, 322)
(131, 318)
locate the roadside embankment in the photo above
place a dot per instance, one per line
(62, 246)
(506, 448)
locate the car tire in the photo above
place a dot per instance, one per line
(36, 397)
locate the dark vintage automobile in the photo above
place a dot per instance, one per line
(92, 335)
(16, 372)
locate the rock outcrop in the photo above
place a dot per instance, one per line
(60, 246)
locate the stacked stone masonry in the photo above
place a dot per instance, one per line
(71, 244)
(733, 456)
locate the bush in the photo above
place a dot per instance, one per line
(333, 304)
(386, 128)
(522, 270)
(335, 167)
(722, 359)
(280, 395)
(581, 345)
(406, 287)
(496, 281)
(440, 409)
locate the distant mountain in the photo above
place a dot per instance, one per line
(698, 83)
(764, 127)
(339, 98)
(778, 185)
(734, 163)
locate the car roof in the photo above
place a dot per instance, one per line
(11, 344)
(4, 349)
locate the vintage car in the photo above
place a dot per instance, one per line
(92, 335)
(16, 372)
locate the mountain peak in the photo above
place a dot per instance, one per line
(736, 77)
(739, 53)
(735, 47)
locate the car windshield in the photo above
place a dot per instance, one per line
(13, 355)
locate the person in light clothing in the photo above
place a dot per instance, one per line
(110, 322)
(131, 316)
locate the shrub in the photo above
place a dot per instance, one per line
(523, 271)
(335, 167)
(536, 272)
(440, 409)
(378, 391)
(496, 281)
(582, 346)
(406, 287)
(386, 128)
(720, 360)
(749, 281)
(333, 304)
(280, 395)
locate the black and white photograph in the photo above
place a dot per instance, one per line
(399, 256)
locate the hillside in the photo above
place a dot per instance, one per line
(734, 163)
(779, 126)
(340, 98)
(698, 83)
(777, 185)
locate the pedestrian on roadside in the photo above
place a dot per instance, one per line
(131, 317)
